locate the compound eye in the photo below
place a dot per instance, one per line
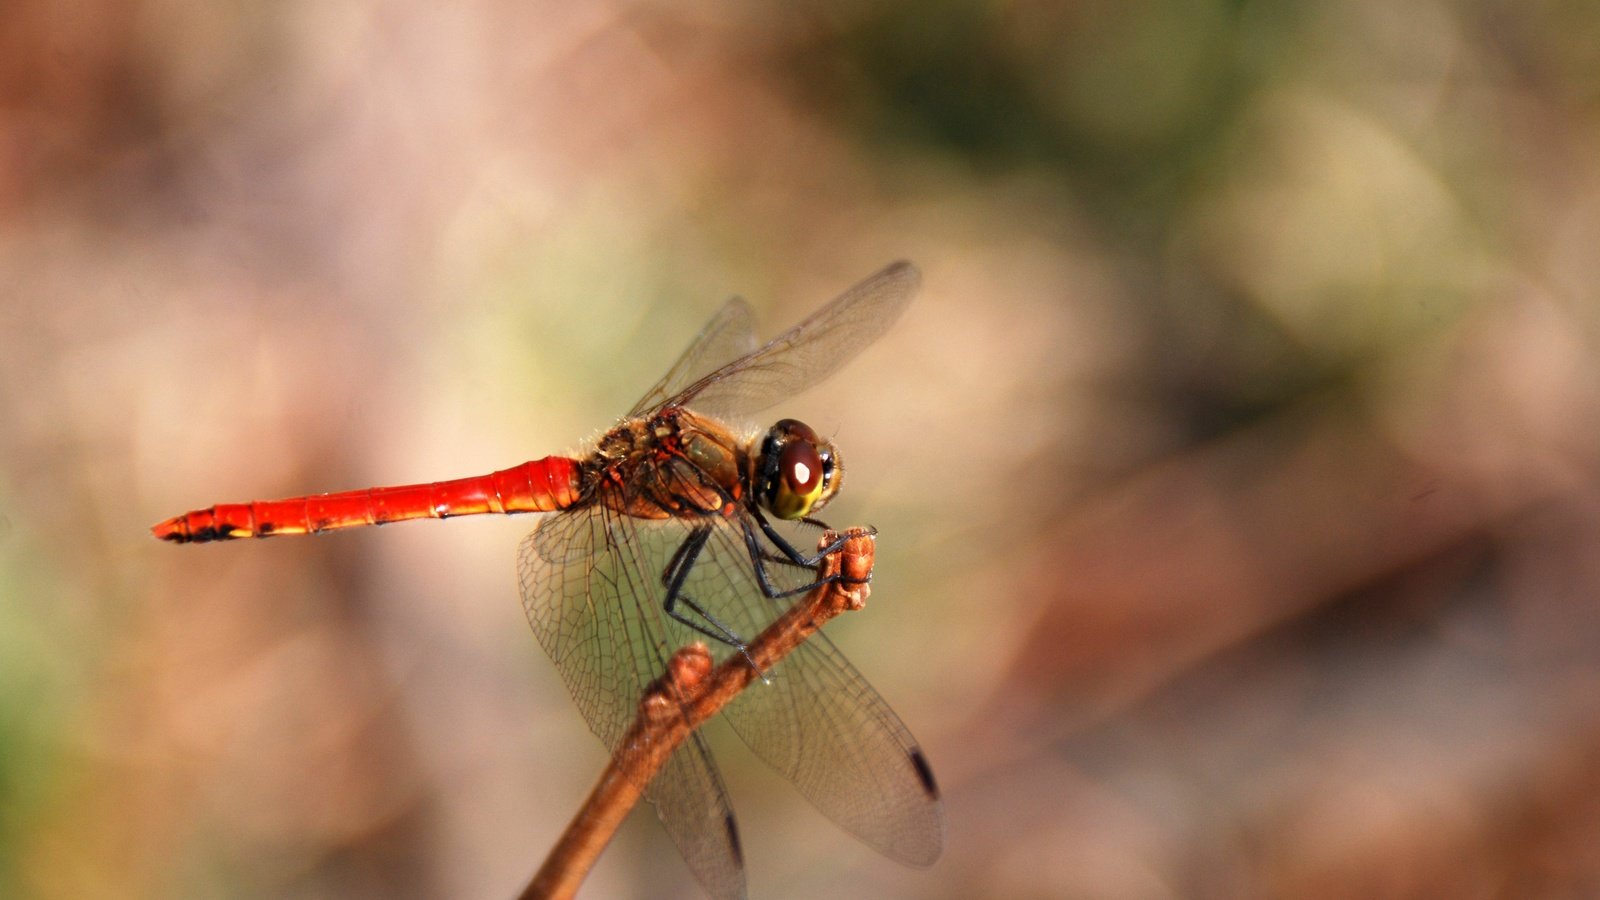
(800, 466)
(799, 480)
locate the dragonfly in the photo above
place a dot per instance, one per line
(680, 524)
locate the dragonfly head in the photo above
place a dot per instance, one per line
(798, 472)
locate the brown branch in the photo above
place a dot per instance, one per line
(688, 694)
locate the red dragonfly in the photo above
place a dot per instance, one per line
(675, 526)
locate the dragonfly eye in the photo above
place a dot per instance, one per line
(800, 470)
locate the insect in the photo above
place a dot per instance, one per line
(671, 528)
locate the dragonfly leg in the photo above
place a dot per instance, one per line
(787, 555)
(788, 549)
(676, 573)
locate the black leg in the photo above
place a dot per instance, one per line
(787, 555)
(676, 573)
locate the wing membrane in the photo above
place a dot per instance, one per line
(591, 588)
(800, 357)
(819, 723)
(730, 334)
(593, 592)
(816, 720)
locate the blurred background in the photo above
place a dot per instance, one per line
(1238, 469)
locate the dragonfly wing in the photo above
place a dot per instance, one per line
(591, 586)
(808, 352)
(692, 802)
(730, 334)
(828, 731)
(817, 720)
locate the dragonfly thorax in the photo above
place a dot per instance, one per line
(674, 463)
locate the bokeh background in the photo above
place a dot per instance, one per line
(1238, 469)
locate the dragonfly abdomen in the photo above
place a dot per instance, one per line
(543, 485)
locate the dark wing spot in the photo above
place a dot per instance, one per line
(733, 840)
(924, 773)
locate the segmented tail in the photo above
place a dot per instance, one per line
(543, 485)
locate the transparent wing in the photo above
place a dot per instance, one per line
(730, 334)
(798, 358)
(849, 754)
(692, 803)
(817, 720)
(591, 585)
